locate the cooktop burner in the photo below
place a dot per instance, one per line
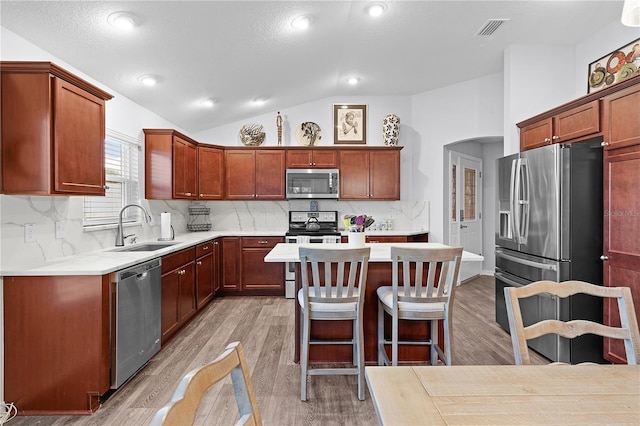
(313, 223)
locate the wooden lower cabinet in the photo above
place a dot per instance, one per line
(621, 230)
(204, 273)
(230, 264)
(244, 270)
(178, 291)
(56, 352)
(418, 238)
(258, 277)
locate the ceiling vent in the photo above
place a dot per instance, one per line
(490, 27)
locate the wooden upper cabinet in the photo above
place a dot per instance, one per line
(536, 134)
(170, 165)
(578, 122)
(270, 170)
(53, 131)
(210, 173)
(312, 158)
(370, 174)
(621, 118)
(184, 169)
(254, 173)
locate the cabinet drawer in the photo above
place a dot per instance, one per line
(204, 248)
(261, 242)
(174, 260)
(386, 239)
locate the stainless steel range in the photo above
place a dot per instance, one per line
(309, 227)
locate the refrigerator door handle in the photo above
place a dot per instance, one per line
(515, 194)
(526, 262)
(524, 201)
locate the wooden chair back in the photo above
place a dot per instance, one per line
(628, 330)
(434, 278)
(344, 271)
(182, 408)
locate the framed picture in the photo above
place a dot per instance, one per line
(349, 124)
(614, 67)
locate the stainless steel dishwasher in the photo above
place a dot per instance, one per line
(136, 320)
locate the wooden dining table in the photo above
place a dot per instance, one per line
(506, 394)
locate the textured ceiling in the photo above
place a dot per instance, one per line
(235, 51)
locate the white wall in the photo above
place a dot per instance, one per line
(464, 111)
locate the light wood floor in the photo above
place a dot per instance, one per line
(265, 327)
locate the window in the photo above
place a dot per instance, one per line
(121, 155)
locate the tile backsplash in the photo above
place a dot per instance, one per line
(45, 212)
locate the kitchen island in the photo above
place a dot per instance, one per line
(379, 274)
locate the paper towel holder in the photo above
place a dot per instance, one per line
(171, 238)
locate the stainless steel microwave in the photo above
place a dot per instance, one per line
(312, 183)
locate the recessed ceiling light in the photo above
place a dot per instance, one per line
(122, 20)
(148, 79)
(301, 22)
(209, 103)
(353, 80)
(375, 9)
(259, 101)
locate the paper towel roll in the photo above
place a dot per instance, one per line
(165, 226)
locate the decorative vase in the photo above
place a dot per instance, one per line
(391, 129)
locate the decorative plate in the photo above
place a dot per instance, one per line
(308, 133)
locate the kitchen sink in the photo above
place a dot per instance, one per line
(144, 247)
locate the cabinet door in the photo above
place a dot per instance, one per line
(577, 122)
(354, 175)
(325, 159)
(204, 279)
(621, 242)
(258, 275)
(79, 133)
(240, 174)
(269, 177)
(170, 296)
(210, 173)
(184, 169)
(187, 291)
(384, 175)
(536, 134)
(299, 158)
(230, 263)
(621, 118)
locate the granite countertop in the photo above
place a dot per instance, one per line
(380, 252)
(105, 261)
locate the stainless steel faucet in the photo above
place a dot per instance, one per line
(120, 235)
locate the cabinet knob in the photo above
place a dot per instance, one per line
(555, 138)
(603, 257)
(188, 194)
(199, 263)
(201, 195)
(263, 242)
(106, 187)
(205, 248)
(547, 140)
(604, 143)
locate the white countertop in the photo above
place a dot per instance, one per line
(107, 260)
(380, 252)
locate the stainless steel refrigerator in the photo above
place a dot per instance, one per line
(549, 227)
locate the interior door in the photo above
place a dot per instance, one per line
(469, 183)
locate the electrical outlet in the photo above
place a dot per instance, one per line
(29, 230)
(59, 229)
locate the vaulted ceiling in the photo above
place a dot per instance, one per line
(236, 51)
